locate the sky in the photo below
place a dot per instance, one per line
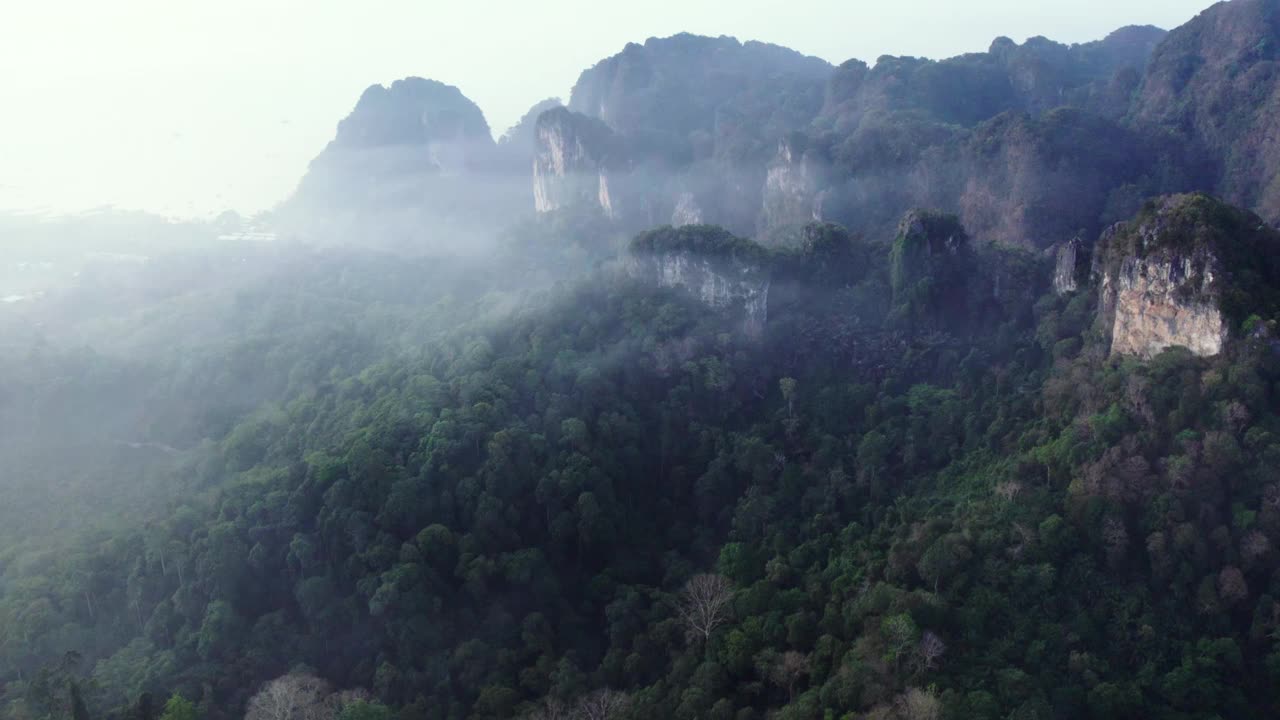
(190, 107)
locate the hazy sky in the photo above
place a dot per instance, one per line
(189, 107)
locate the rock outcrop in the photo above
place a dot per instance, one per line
(793, 186)
(1070, 263)
(1185, 272)
(574, 159)
(699, 114)
(1161, 302)
(722, 271)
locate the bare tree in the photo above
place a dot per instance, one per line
(917, 704)
(602, 704)
(1254, 546)
(789, 668)
(296, 696)
(1232, 587)
(704, 605)
(930, 649)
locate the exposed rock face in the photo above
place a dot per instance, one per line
(571, 167)
(698, 114)
(737, 286)
(1067, 268)
(721, 271)
(1185, 272)
(792, 187)
(1165, 301)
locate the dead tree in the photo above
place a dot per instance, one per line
(602, 704)
(704, 604)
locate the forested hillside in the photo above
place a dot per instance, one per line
(446, 448)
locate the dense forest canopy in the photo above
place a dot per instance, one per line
(818, 393)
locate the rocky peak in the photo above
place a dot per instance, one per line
(633, 91)
(1186, 271)
(408, 160)
(414, 127)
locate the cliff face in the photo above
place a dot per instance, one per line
(1186, 271)
(1165, 301)
(721, 271)
(574, 157)
(700, 115)
(792, 188)
(1071, 259)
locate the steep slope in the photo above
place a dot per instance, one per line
(412, 167)
(701, 116)
(1216, 82)
(1188, 271)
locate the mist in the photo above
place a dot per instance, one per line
(427, 363)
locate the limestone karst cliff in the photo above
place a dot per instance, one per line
(1071, 261)
(793, 186)
(723, 272)
(1187, 271)
(575, 155)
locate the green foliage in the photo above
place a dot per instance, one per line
(506, 519)
(179, 708)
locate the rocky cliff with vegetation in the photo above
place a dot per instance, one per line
(574, 159)
(1187, 271)
(723, 272)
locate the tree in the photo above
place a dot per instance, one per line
(704, 604)
(917, 704)
(1232, 587)
(179, 708)
(296, 696)
(79, 711)
(603, 704)
(788, 669)
(930, 649)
